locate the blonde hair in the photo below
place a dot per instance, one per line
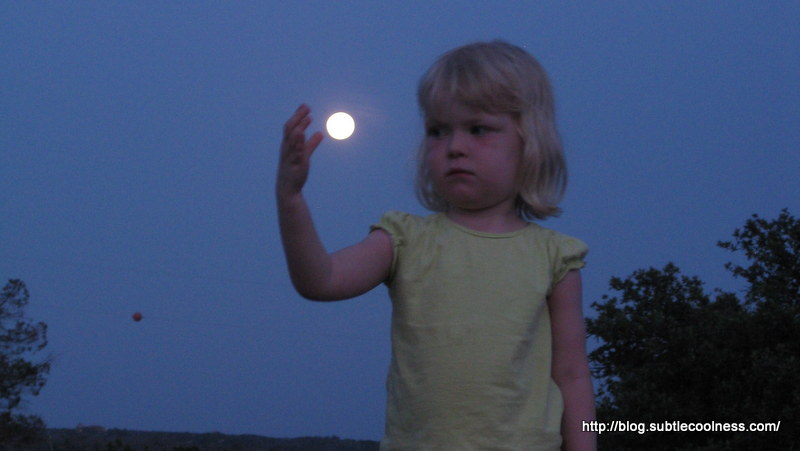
(498, 77)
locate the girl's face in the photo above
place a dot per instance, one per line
(474, 158)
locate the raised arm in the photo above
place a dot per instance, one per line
(315, 273)
(570, 369)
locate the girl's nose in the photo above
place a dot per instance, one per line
(456, 146)
(454, 153)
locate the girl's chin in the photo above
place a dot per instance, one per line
(478, 207)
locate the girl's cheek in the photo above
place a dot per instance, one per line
(435, 161)
(435, 149)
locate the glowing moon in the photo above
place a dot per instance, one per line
(340, 125)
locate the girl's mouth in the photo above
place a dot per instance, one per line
(459, 171)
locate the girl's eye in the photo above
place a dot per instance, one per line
(478, 130)
(435, 131)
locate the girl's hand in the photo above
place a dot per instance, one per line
(296, 153)
(315, 273)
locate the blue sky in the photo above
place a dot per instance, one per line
(138, 144)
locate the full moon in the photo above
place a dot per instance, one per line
(340, 125)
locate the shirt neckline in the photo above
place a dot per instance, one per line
(484, 234)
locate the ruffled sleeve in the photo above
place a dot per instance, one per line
(396, 224)
(568, 254)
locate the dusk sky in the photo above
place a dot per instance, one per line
(138, 151)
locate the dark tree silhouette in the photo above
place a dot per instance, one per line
(670, 351)
(20, 340)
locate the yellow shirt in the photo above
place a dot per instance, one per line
(471, 341)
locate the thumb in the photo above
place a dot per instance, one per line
(313, 142)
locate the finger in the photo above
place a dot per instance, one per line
(313, 142)
(295, 137)
(296, 144)
(299, 115)
(297, 149)
(304, 123)
(291, 123)
(297, 133)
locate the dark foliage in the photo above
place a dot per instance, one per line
(20, 340)
(91, 439)
(670, 351)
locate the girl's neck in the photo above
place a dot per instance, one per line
(487, 221)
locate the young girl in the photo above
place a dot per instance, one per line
(488, 344)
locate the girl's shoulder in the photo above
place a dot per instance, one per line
(404, 218)
(542, 231)
(564, 252)
(554, 239)
(402, 224)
